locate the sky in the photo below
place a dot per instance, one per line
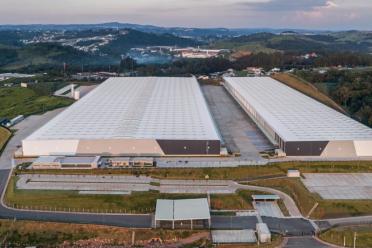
(307, 14)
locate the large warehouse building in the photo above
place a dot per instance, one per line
(298, 124)
(131, 117)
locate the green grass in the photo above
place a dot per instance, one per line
(23, 101)
(336, 236)
(47, 234)
(138, 202)
(4, 136)
(305, 200)
(239, 173)
(245, 173)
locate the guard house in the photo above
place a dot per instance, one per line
(182, 214)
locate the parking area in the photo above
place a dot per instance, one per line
(343, 186)
(239, 132)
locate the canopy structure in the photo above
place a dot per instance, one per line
(265, 197)
(182, 210)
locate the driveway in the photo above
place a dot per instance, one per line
(238, 131)
(24, 129)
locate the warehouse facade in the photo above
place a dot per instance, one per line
(133, 116)
(298, 124)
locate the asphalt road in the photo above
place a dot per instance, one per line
(289, 226)
(305, 242)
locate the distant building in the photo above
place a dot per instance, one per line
(24, 85)
(5, 76)
(255, 71)
(94, 75)
(203, 77)
(275, 70)
(197, 53)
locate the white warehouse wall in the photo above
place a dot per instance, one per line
(33, 148)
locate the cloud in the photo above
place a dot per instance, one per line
(287, 5)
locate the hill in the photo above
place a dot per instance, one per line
(22, 49)
(177, 31)
(351, 41)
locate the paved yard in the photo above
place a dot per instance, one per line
(234, 236)
(24, 129)
(340, 185)
(238, 131)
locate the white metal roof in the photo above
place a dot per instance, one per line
(187, 209)
(137, 108)
(295, 116)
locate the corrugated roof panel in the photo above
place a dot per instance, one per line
(295, 116)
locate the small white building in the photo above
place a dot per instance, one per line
(263, 233)
(293, 173)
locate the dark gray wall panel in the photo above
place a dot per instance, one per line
(190, 147)
(305, 148)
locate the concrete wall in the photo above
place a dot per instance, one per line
(120, 147)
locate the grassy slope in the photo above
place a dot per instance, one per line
(239, 173)
(140, 202)
(4, 136)
(306, 88)
(336, 236)
(47, 234)
(326, 208)
(23, 101)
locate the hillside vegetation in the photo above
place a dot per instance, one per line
(353, 41)
(47, 234)
(4, 136)
(15, 55)
(351, 89)
(307, 88)
(24, 101)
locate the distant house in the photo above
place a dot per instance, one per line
(274, 70)
(203, 77)
(256, 71)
